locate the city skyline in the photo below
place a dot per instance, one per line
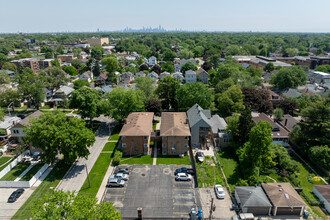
(210, 15)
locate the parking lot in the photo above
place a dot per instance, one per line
(154, 189)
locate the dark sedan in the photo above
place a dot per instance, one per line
(122, 170)
(15, 195)
(184, 170)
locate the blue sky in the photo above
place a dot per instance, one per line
(209, 15)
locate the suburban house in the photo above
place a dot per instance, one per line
(191, 76)
(284, 198)
(288, 122)
(290, 93)
(136, 132)
(152, 61)
(219, 135)
(323, 193)
(279, 134)
(202, 76)
(10, 73)
(140, 74)
(179, 76)
(174, 133)
(86, 76)
(104, 89)
(61, 95)
(200, 126)
(153, 75)
(163, 75)
(318, 77)
(127, 77)
(184, 61)
(17, 131)
(6, 125)
(252, 199)
(177, 67)
(273, 97)
(101, 79)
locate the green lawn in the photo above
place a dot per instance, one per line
(114, 137)
(173, 160)
(306, 185)
(96, 175)
(141, 160)
(209, 174)
(51, 180)
(46, 107)
(32, 172)
(15, 172)
(229, 166)
(110, 146)
(3, 160)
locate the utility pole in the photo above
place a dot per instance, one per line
(211, 209)
(89, 183)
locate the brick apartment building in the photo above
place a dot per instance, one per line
(174, 133)
(136, 132)
(67, 58)
(31, 63)
(98, 41)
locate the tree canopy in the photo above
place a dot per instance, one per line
(289, 77)
(191, 93)
(167, 91)
(55, 133)
(67, 205)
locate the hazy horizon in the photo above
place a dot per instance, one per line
(37, 16)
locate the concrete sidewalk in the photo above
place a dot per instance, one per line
(75, 177)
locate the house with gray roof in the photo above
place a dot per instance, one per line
(291, 93)
(190, 76)
(200, 126)
(163, 75)
(153, 75)
(10, 73)
(140, 74)
(202, 76)
(179, 76)
(252, 199)
(219, 135)
(62, 94)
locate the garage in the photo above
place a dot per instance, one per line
(258, 210)
(288, 210)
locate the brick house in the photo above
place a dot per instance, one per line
(174, 133)
(136, 132)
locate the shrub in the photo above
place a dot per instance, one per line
(310, 200)
(117, 158)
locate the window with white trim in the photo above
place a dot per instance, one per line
(163, 145)
(123, 145)
(145, 145)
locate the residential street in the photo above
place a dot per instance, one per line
(75, 177)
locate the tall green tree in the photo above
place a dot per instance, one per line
(68, 205)
(245, 124)
(54, 77)
(230, 101)
(269, 67)
(278, 114)
(111, 65)
(257, 151)
(191, 93)
(4, 78)
(97, 52)
(167, 92)
(188, 66)
(289, 77)
(120, 103)
(71, 70)
(146, 86)
(31, 86)
(55, 133)
(169, 55)
(2, 114)
(9, 66)
(8, 96)
(87, 101)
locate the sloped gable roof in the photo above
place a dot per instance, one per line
(217, 123)
(282, 194)
(251, 196)
(196, 114)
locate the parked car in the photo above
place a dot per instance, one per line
(219, 192)
(122, 170)
(121, 176)
(183, 177)
(184, 170)
(200, 156)
(15, 195)
(243, 216)
(114, 182)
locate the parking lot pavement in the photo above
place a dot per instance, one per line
(222, 206)
(154, 189)
(8, 210)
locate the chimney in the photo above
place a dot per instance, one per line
(285, 122)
